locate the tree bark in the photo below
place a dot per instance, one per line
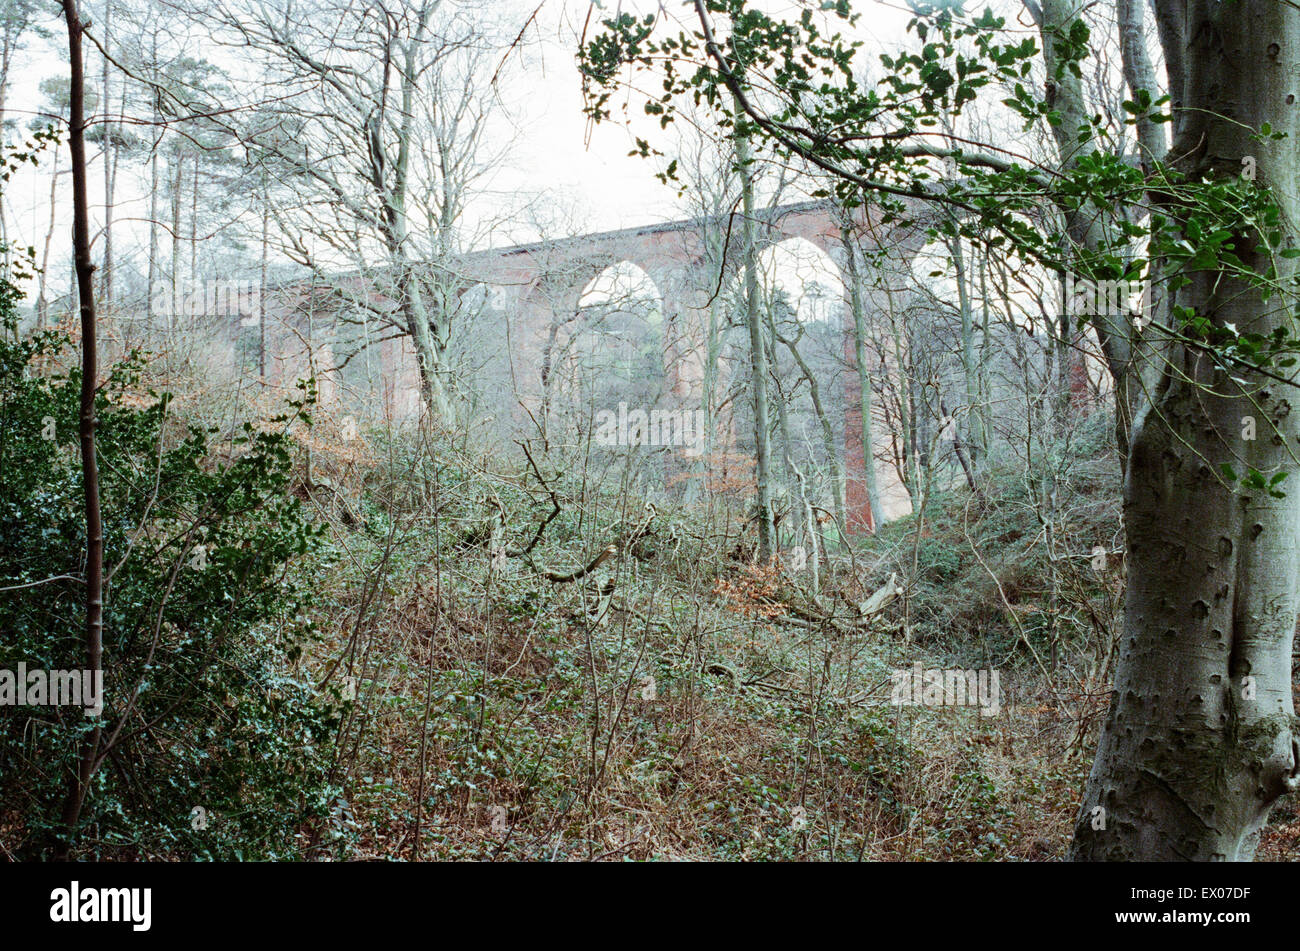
(79, 783)
(110, 151)
(42, 300)
(969, 369)
(864, 373)
(1139, 74)
(1200, 740)
(1085, 226)
(757, 351)
(418, 325)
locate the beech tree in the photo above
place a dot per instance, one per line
(1201, 736)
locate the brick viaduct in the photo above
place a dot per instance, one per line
(535, 283)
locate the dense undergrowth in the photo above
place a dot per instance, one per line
(216, 740)
(683, 701)
(403, 649)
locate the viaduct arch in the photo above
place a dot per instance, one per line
(539, 285)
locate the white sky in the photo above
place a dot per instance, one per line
(572, 173)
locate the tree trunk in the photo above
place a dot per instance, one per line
(864, 375)
(42, 298)
(79, 783)
(261, 294)
(428, 356)
(110, 151)
(782, 412)
(969, 369)
(757, 351)
(833, 456)
(1200, 738)
(1085, 225)
(154, 185)
(176, 184)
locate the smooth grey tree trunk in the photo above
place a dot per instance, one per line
(757, 352)
(971, 424)
(1200, 740)
(1085, 226)
(110, 154)
(836, 461)
(154, 186)
(427, 353)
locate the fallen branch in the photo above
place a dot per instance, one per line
(564, 577)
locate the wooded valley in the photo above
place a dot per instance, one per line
(723, 430)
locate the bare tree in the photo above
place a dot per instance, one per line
(391, 122)
(79, 783)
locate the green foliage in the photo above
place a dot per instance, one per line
(205, 552)
(974, 818)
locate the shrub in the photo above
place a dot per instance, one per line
(205, 553)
